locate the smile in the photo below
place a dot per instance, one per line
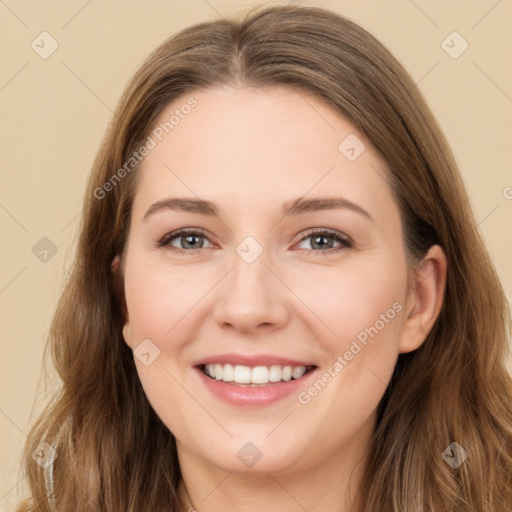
(255, 376)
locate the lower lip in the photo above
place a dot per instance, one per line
(245, 396)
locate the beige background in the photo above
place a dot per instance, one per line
(55, 111)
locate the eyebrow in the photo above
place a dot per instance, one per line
(291, 208)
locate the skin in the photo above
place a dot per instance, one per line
(249, 151)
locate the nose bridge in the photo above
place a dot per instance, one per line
(250, 296)
(250, 267)
(250, 275)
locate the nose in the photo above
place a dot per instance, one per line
(252, 298)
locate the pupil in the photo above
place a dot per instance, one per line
(321, 245)
(190, 239)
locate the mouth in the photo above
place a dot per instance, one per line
(250, 380)
(254, 376)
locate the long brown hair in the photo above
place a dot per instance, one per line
(115, 454)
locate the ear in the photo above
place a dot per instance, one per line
(116, 262)
(127, 334)
(116, 267)
(424, 300)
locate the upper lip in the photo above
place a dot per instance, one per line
(251, 361)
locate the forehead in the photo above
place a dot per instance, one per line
(258, 146)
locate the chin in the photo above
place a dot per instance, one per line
(252, 453)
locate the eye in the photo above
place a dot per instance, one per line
(324, 241)
(187, 239)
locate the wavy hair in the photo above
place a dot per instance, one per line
(114, 453)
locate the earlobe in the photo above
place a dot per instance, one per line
(424, 300)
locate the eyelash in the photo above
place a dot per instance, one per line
(345, 241)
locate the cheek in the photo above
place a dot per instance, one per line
(362, 306)
(354, 302)
(157, 298)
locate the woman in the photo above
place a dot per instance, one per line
(211, 358)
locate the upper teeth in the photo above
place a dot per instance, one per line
(257, 375)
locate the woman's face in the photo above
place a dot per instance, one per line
(272, 280)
